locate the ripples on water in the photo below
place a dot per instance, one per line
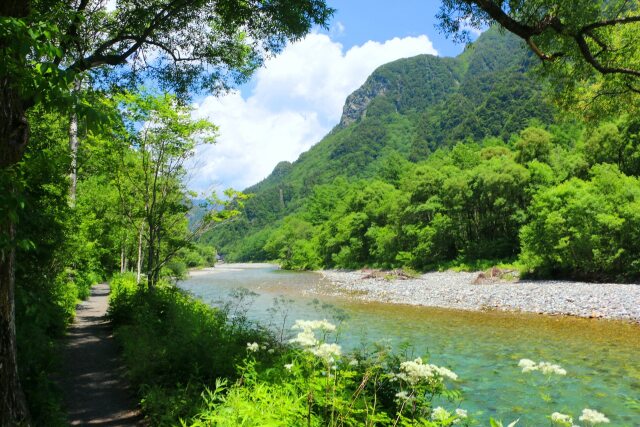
(602, 357)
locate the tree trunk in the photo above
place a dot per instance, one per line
(140, 253)
(14, 135)
(73, 145)
(122, 269)
(151, 257)
(13, 405)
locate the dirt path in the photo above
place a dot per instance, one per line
(95, 392)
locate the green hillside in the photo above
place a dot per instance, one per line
(405, 110)
(440, 160)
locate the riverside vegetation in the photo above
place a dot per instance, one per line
(201, 366)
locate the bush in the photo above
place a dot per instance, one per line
(173, 343)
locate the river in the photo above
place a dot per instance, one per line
(602, 358)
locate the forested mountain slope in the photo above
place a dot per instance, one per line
(453, 159)
(405, 110)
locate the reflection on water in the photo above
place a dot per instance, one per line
(602, 357)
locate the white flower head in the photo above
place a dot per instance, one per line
(253, 346)
(440, 414)
(550, 369)
(545, 368)
(593, 417)
(560, 418)
(271, 351)
(353, 362)
(306, 338)
(403, 395)
(462, 413)
(288, 366)
(311, 325)
(327, 351)
(414, 371)
(528, 365)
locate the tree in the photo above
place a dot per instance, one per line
(579, 42)
(157, 140)
(182, 44)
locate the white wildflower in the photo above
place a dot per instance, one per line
(403, 395)
(445, 373)
(353, 362)
(288, 366)
(550, 369)
(440, 414)
(253, 346)
(271, 351)
(565, 419)
(528, 365)
(327, 351)
(462, 413)
(306, 338)
(263, 347)
(546, 368)
(311, 325)
(593, 417)
(415, 371)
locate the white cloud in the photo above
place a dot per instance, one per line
(297, 98)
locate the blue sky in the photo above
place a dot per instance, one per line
(297, 97)
(381, 20)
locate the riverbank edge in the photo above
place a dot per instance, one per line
(464, 291)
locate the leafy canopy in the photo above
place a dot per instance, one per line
(588, 48)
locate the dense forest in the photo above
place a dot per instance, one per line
(445, 161)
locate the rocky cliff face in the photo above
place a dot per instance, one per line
(355, 107)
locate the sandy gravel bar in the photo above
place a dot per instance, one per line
(458, 290)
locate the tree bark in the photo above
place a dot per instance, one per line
(14, 135)
(73, 144)
(13, 405)
(139, 273)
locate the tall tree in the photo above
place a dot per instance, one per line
(183, 44)
(158, 138)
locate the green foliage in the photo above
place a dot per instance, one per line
(586, 229)
(51, 272)
(583, 45)
(314, 384)
(173, 344)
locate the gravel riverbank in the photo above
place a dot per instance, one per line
(462, 291)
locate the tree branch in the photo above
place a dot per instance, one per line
(588, 56)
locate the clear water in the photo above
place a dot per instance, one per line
(602, 357)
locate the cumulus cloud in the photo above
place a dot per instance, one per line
(296, 99)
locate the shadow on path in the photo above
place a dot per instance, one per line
(95, 391)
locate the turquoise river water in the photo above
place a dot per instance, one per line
(602, 358)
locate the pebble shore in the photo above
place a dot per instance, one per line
(457, 290)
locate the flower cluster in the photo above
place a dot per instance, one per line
(593, 417)
(311, 325)
(440, 414)
(563, 419)
(414, 371)
(307, 339)
(327, 351)
(253, 346)
(546, 368)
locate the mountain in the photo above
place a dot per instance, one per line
(403, 112)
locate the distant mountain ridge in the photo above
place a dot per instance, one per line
(406, 110)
